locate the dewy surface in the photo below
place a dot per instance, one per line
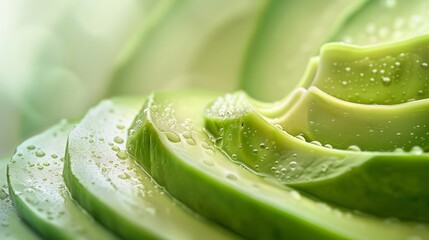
(11, 226)
(107, 182)
(39, 193)
(183, 157)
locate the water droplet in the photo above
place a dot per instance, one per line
(255, 151)
(124, 176)
(54, 156)
(231, 176)
(115, 148)
(46, 164)
(118, 140)
(386, 80)
(354, 148)
(344, 83)
(417, 150)
(190, 141)
(262, 146)
(425, 65)
(40, 167)
(328, 146)
(172, 137)
(234, 156)
(31, 147)
(40, 153)
(122, 155)
(120, 126)
(317, 143)
(293, 165)
(208, 162)
(300, 137)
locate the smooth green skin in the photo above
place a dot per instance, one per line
(183, 159)
(11, 226)
(287, 34)
(115, 190)
(38, 191)
(320, 117)
(384, 21)
(189, 43)
(384, 183)
(386, 74)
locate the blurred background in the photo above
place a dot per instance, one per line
(59, 58)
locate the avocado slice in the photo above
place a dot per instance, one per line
(38, 191)
(288, 33)
(183, 159)
(199, 42)
(106, 181)
(11, 226)
(384, 21)
(387, 74)
(318, 116)
(382, 182)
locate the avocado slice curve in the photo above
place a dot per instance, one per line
(107, 182)
(287, 34)
(384, 21)
(379, 185)
(385, 74)
(182, 157)
(38, 191)
(11, 226)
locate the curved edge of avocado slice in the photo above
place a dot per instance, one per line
(183, 157)
(284, 159)
(38, 191)
(11, 226)
(385, 74)
(107, 182)
(320, 117)
(274, 60)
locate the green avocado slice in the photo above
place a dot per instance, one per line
(386, 74)
(115, 190)
(389, 184)
(320, 117)
(38, 191)
(183, 159)
(287, 34)
(199, 42)
(383, 21)
(11, 226)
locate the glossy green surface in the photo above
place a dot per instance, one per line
(384, 21)
(11, 226)
(108, 183)
(183, 157)
(287, 34)
(382, 182)
(386, 74)
(39, 193)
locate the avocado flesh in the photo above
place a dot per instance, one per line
(382, 182)
(38, 191)
(11, 226)
(386, 74)
(188, 43)
(288, 33)
(183, 157)
(384, 21)
(115, 190)
(320, 117)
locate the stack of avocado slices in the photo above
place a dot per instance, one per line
(343, 154)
